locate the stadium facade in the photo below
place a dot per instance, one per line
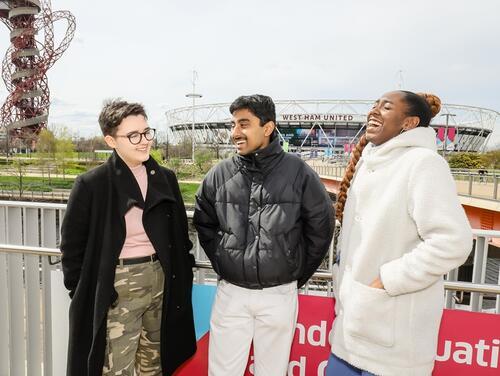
(329, 126)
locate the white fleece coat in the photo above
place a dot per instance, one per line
(403, 223)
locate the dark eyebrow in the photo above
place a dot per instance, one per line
(240, 121)
(133, 132)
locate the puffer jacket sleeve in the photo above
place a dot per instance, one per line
(74, 233)
(318, 221)
(205, 217)
(445, 233)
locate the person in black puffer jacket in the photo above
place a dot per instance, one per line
(265, 222)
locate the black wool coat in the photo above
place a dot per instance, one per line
(92, 236)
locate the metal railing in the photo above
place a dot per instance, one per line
(53, 196)
(478, 185)
(469, 183)
(34, 308)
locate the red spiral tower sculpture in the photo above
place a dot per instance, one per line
(24, 68)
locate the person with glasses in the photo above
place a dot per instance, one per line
(125, 258)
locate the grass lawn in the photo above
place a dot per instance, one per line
(188, 190)
(35, 184)
(42, 185)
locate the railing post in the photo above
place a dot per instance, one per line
(495, 186)
(4, 314)
(49, 239)
(15, 292)
(497, 306)
(4, 306)
(200, 273)
(329, 289)
(470, 184)
(479, 271)
(449, 300)
(33, 309)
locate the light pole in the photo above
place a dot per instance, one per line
(193, 95)
(446, 132)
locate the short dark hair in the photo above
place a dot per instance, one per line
(261, 106)
(114, 111)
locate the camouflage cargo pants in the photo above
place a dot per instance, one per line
(133, 326)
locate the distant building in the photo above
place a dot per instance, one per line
(329, 126)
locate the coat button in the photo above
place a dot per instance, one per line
(178, 307)
(357, 218)
(153, 172)
(168, 215)
(173, 276)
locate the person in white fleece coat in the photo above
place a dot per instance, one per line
(403, 228)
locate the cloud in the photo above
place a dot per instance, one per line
(290, 49)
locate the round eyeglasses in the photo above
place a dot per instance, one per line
(136, 137)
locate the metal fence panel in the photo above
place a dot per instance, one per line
(33, 298)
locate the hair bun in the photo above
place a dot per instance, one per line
(433, 101)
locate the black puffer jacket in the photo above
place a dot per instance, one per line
(264, 219)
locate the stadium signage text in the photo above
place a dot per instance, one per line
(317, 117)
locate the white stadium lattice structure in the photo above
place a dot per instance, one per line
(328, 125)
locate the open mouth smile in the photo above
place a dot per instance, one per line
(373, 122)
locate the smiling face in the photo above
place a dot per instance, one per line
(246, 132)
(388, 118)
(132, 155)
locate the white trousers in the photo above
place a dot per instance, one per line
(240, 315)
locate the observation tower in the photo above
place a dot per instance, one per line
(32, 52)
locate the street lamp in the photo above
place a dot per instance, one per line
(193, 95)
(446, 132)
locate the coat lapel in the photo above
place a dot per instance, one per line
(125, 184)
(127, 188)
(158, 188)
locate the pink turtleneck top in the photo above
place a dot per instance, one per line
(137, 243)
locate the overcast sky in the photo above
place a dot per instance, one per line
(317, 49)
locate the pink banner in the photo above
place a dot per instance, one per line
(469, 343)
(451, 134)
(349, 147)
(440, 134)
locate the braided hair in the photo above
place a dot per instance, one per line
(423, 105)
